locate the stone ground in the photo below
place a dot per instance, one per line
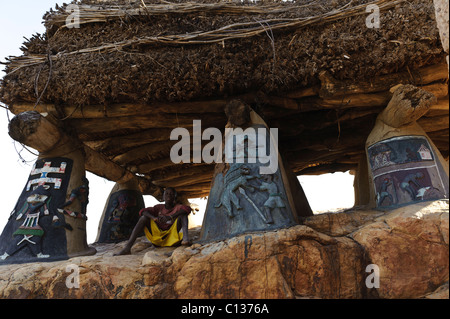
(326, 257)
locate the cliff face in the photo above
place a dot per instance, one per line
(336, 255)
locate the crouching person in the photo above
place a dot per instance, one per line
(163, 224)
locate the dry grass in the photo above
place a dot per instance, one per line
(91, 14)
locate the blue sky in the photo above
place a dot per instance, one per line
(23, 18)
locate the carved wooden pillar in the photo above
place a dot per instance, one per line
(441, 13)
(361, 183)
(244, 197)
(405, 167)
(49, 219)
(121, 213)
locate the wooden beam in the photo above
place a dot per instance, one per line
(327, 168)
(407, 105)
(440, 108)
(120, 110)
(34, 130)
(155, 165)
(156, 120)
(202, 187)
(299, 161)
(147, 152)
(432, 124)
(181, 171)
(114, 144)
(185, 181)
(331, 87)
(295, 124)
(439, 90)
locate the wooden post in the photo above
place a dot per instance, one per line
(50, 215)
(405, 166)
(121, 213)
(243, 196)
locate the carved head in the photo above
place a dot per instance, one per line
(237, 112)
(39, 195)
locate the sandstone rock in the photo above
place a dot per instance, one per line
(409, 245)
(440, 293)
(281, 264)
(341, 223)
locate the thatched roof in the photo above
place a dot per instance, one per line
(134, 70)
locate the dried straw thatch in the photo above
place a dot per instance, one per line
(135, 69)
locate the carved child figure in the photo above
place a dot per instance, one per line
(274, 200)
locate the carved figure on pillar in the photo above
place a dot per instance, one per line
(49, 217)
(121, 213)
(404, 165)
(251, 189)
(36, 228)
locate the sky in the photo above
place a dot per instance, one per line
(23, 18)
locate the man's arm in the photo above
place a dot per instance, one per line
(183, 210)
(148, 212)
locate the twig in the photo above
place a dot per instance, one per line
(48, 79)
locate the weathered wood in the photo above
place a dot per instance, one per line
(34, 130)
(326, 168)
(432, 124)
(63, 112)
(440, 90)
(146, 152)
(157, 120)
(121, 109)
(356, 100)
(296, 124)
(174, 172)
(407, 105)
(440, 108)
(331, 87)
(155, 165)
(195, 190)
(311, 91)
(177, 183)
(115, 144)
(298, 162)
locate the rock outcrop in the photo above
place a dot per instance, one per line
(326, 257)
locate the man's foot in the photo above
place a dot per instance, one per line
(124, 251)
(186, 242)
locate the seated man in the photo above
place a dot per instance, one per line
(164, 224)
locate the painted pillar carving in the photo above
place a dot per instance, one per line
(405, 167)
(243, 197)
(49, 219)
(441, 11)
(121, 213)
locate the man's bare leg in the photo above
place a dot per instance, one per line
(184, 226)
(142, 222)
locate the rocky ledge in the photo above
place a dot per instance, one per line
(357, 253)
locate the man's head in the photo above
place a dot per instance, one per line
(170, 195)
